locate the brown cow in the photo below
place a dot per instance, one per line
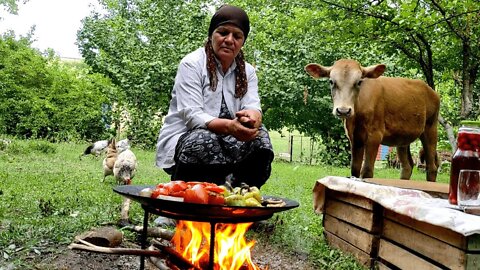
(382, 110)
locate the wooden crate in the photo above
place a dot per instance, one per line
(351, 223)
(382, 239)
(411, 244)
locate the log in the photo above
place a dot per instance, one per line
(120, 251)
(159, 263)
(175, 257)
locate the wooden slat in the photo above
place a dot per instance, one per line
(402, 258)
(433, 188)
(351, 234)
(444, 234)
(336, 242)
(466, 243)
(430, 247)
(350, 213)
(380, 266)
(350, 198)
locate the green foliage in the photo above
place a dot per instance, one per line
(40, 97)
(10, 5)
(16, 147)
(135, 45)
(138, 45)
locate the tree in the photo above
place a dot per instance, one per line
(138, 45)
(437, 37)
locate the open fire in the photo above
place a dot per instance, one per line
(231, 250)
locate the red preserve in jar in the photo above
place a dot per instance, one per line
(466, 156)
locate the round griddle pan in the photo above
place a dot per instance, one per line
(202, 212)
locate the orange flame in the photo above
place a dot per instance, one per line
(232, 251)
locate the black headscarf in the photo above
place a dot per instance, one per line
(230, 14)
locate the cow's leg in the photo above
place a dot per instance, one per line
(369, 162)
(405, 157)
(357, 158)
(429, 142)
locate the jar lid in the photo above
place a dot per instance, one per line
(470, 123)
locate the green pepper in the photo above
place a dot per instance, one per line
(225, 192)
(251, 202)
(256, 193)
(235, 200)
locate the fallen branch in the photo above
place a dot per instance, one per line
(159, 263)
(175, 257)
(120, 251)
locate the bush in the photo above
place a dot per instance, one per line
(41, 97)
(15, 147)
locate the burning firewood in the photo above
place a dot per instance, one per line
(158, 262)
(174, 257)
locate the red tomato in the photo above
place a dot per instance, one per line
(159, 191)
(197, 194)
(175, 186)
(178, 193)
(214, 188)
(179, 186)
(216, 199)
(193, 183)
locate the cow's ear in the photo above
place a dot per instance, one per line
(317, 71)
(373, 72)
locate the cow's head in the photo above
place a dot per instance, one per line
(346, 78)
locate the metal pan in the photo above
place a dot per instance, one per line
(201, 212)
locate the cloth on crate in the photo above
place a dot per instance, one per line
(415, 204)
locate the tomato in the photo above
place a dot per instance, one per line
(159, 191)
(175, 186)
(193, 183)
(197, 194)
(216, 199)
(214, 188)
(177, 193)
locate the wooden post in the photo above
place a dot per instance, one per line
(291, 148)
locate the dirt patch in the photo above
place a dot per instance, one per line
(264, 256)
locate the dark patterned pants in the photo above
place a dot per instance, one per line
(202, 155)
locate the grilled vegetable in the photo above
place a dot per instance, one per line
(235, 200)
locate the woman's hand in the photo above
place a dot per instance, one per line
(250, 118)
(243, 128)
(242, 132)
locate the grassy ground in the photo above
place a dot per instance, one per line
(48, 195)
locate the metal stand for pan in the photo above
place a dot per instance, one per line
(212, 214)
(212, 220)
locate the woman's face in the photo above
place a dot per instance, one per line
(227, 40)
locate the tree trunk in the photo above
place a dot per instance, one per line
(451, 136)
(467, 83)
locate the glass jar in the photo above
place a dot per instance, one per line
(466, 156)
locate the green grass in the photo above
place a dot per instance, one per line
(48, 195)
